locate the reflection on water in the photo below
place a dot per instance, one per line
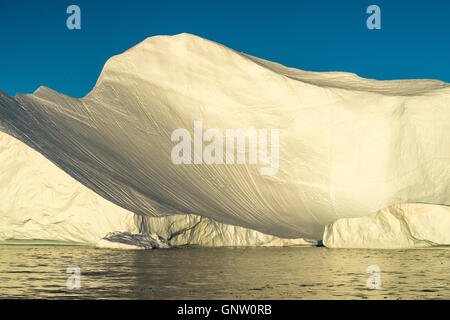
(223, 273)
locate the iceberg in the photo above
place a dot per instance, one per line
(409, 225)
(348, 147)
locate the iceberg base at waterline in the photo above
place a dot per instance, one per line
(42, 203)
(126, 240)
(408, 225)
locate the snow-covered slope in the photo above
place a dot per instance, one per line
(410, 225)
(348, 146)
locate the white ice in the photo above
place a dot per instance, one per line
(410, 225)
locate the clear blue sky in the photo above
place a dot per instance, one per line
(320, 35)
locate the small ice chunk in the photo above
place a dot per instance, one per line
(126, 240)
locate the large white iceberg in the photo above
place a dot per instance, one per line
(348, 146)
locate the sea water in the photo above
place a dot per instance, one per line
(41, 271)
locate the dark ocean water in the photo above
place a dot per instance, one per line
(223, 273)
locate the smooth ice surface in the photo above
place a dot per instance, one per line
(348, 146)
(400, 226)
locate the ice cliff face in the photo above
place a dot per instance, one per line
(348, 146)
(200, 231)
(410, 225)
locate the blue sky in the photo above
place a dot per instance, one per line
(326, 35)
